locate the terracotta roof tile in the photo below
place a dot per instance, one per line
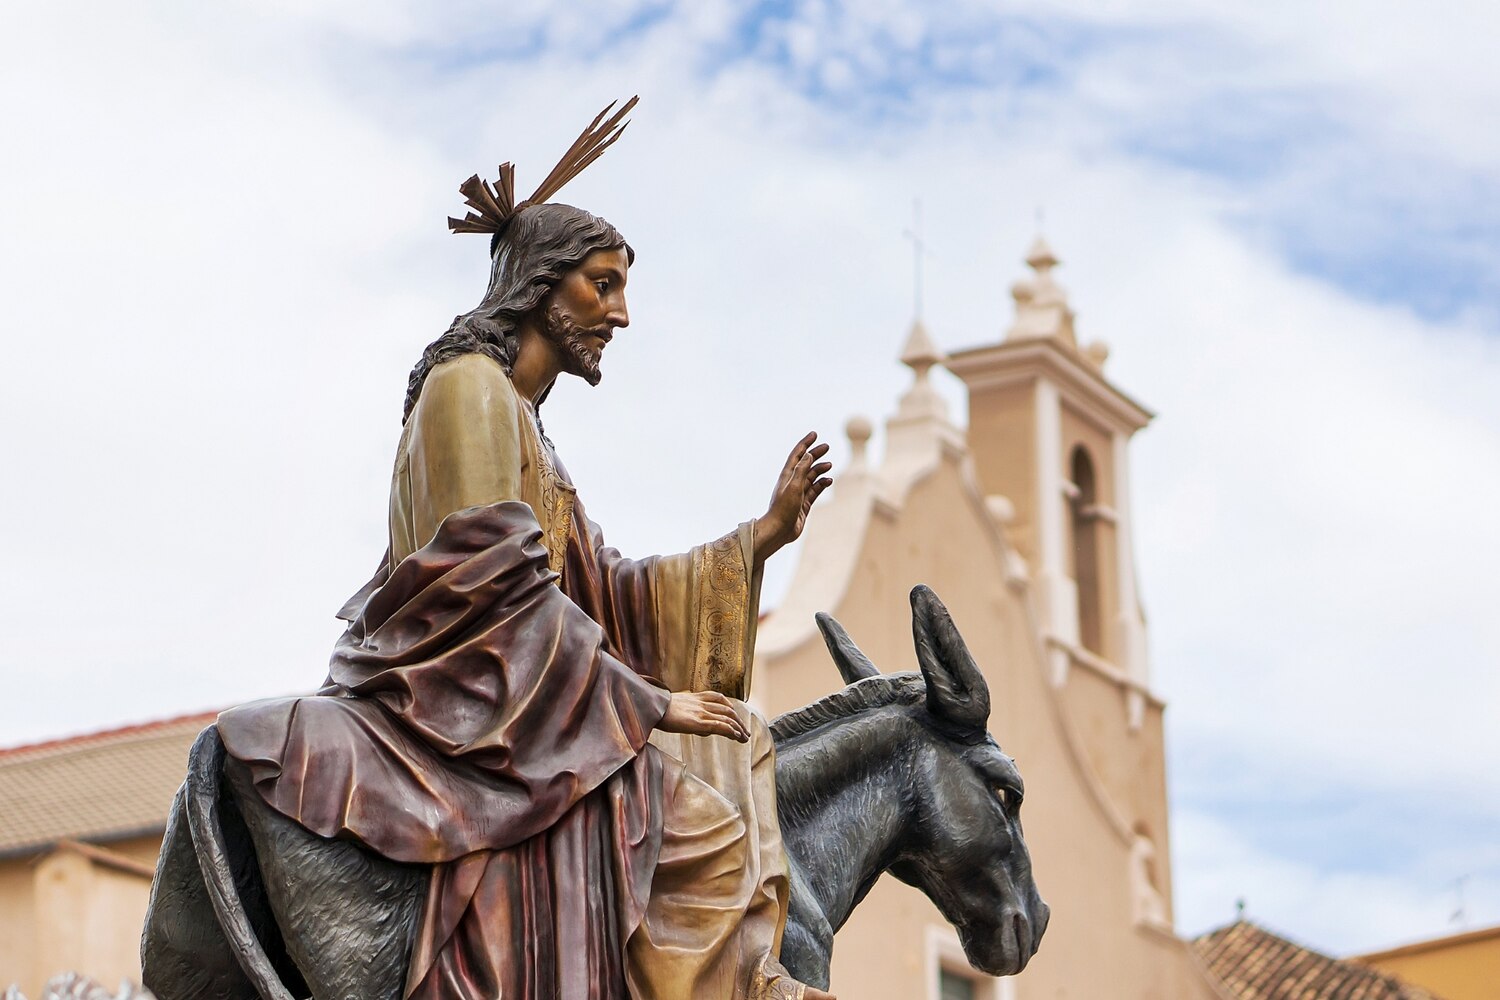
(1253, 964)
(94, 787)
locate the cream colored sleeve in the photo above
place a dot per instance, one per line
(465, 446)
(708, 604)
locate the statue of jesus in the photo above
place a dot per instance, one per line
(558, 731)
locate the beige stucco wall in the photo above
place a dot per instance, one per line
(1461, 967)
(1007, 465)
(64, 911)
(142, 850)
(1129, 762)
(17, 923)
(1080, 837)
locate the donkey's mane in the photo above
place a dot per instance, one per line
(872, 692)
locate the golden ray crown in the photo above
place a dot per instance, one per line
(494, 205)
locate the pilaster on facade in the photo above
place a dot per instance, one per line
(1057, 590)
(1130, 618)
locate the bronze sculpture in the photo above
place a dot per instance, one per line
(250, 906)
(483, 732)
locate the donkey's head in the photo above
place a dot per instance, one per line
(963, 845)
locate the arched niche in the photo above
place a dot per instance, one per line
(1084, 551)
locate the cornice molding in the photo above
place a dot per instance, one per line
(1016, 361)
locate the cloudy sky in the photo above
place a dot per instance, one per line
(223, 247)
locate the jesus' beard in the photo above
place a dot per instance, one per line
(560, 328)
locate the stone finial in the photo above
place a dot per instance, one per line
(920, 428)
(1000, 509)
(920, 354)
(1040, 256)
(1041, 303)
(1097, 352)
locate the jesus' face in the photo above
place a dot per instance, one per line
(582, 312)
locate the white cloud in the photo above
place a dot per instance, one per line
(225, 248)
(1421, 74)
(1334, 908)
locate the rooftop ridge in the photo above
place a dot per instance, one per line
(1254, 963)
(101, 736)
(1429, 944)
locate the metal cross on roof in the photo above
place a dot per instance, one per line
(919, 252)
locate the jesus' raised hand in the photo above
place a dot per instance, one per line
(801, 481)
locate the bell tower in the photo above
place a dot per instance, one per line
(1051, 434)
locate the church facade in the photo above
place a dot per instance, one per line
(1020, 522)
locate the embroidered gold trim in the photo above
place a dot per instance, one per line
(560, 528)
(723, 600)
(771, 982)
(556, 497)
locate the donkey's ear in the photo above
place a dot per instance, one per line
(853, 665)
(956, 691)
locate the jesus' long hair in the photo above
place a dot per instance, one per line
(539, 245)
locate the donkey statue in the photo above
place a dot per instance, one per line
(894, 772)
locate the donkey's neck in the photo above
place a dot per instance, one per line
(844, 805)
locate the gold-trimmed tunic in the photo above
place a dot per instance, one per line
(686, 621)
